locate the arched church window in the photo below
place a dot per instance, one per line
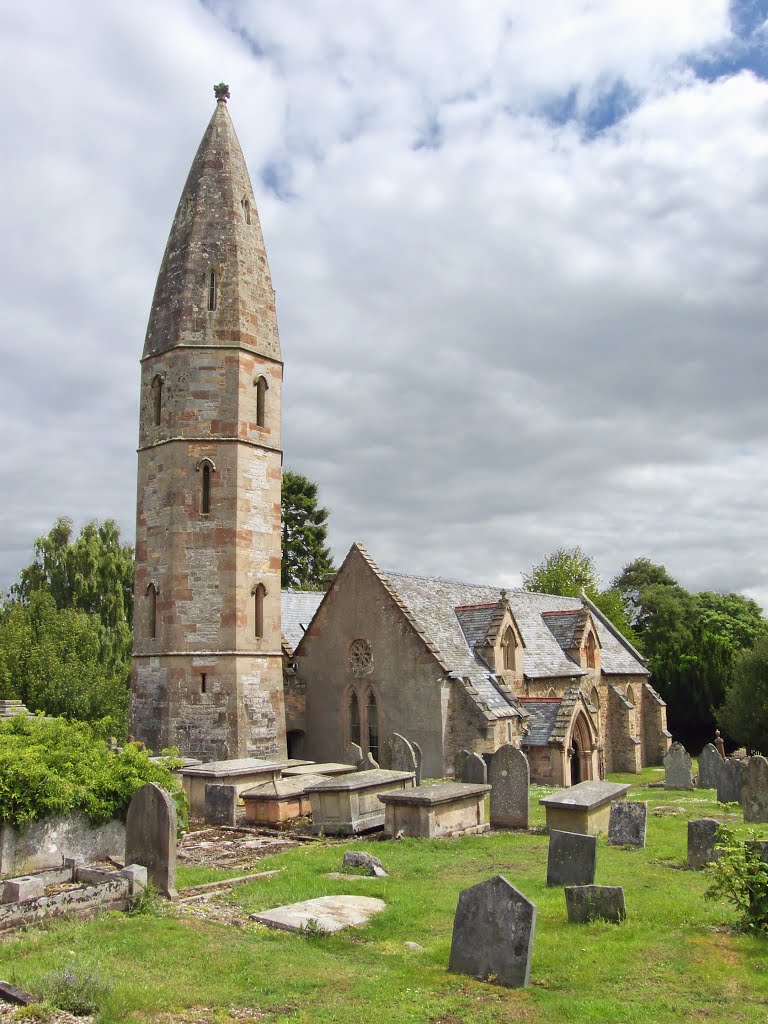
(246, 210)
(259, 593)
(630, 696)
(152, 611)
(594, 699)
(373, 725)
(508, 645)
(205, 495)
(589, 648)
(261, 401)
(354, 718)
(157, 399)
(213, 290)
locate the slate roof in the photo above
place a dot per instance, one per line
(565, 627)
(542, 721)
(475, 621)
(297, 609)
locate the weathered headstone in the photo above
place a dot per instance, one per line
(729, 784)
(595, 903)
(367, 763)
(458, 764)
(572, 858)
(754, 789)
(702, 836)
(419, 759)
(510, 777)
(366, 861)
(493, 933)
(474, 770)
(397, 754)
(627, 823)
(710, 764)
(150, 836)
(353, 753)
(677, 768)
(220, 804)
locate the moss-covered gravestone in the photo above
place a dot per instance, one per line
(150, 836)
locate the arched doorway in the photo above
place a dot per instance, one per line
(581, 749)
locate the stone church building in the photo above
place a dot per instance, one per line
(224, 664)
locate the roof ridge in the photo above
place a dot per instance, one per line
(461, 583)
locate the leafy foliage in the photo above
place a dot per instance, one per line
(740, 875)
(51, 766)
(65, 632)
(745, 711)
(74, 988)
(306, 558)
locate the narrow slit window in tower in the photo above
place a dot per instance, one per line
(203, 682)
(261, 400)
(213, 288)
(258, 610)
(246, 211)
(205, 497)
(373, 726)
(152, 595)
(157, 397)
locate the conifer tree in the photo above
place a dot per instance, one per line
(306, 558)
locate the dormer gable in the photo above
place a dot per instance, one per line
(577, 635)
(491, 630)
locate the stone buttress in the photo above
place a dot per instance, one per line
(207, 672)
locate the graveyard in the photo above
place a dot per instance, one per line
(675, 956)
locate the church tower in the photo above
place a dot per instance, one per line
(207, 669)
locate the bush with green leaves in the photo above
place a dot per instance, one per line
(740, 875)
(51, 766)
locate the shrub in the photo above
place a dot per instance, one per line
(740, 875)
(76, 989)
(51, 766)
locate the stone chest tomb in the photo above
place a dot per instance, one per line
(585, 808)
(449, 808)
(348, 804)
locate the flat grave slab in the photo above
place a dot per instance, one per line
(448, 808)
(242, 772)
(322, 768)
(584, 808)
(330, 913)
(348, 804)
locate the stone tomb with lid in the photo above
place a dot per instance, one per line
(321, 768)
(448, 808)
(349, 804)
(585, 808)
(281, 800)
(243, 773)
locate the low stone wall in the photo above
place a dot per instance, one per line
(45, 843)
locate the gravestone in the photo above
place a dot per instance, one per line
(474, 770)
(586, 903)
(677, 768)
(702, 836)
(710, 764)
(397, 754)
(220, 804)
(367, 763)
(627, 823)
(719, 745)
(493, 933)
(458, 764)
(510, 777)
(754, 789)
(419, 759)
(572, 858)
(353, 753)
(729, 784)
(150, 836)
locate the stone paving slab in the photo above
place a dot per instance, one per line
(331, 913)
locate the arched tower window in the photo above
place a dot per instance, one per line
(157, 399)
(205, 492)
(508, 645)
(354, 718)
(213, 290)
(261, 401)
(259, 593)
(373, 725)
(246, 210)
(589, 648)
(152, 611)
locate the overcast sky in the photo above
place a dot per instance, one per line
(520, 253)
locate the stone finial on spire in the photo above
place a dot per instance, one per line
(221, 92)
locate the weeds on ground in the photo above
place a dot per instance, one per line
(75, 988)
(149, 902)
(740, 875)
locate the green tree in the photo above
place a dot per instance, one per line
(567, 572)
(744, 713)
(306, 558)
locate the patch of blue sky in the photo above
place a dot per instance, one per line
(748, 48)
(276, 178)
(431, 134)
(610, 106)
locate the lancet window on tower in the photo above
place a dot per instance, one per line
(259, 593)
(205, 468)
(152, 611)
(213, 290)
(157, 399)
(246, 210)
(261, 401)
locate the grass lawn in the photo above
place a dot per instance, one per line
(677, 957)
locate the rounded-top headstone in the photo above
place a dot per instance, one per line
(710, 765)
(474, 770)
(398, 755)
(677, 768)
(510, 778)
(754, 789)
(150, 836)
